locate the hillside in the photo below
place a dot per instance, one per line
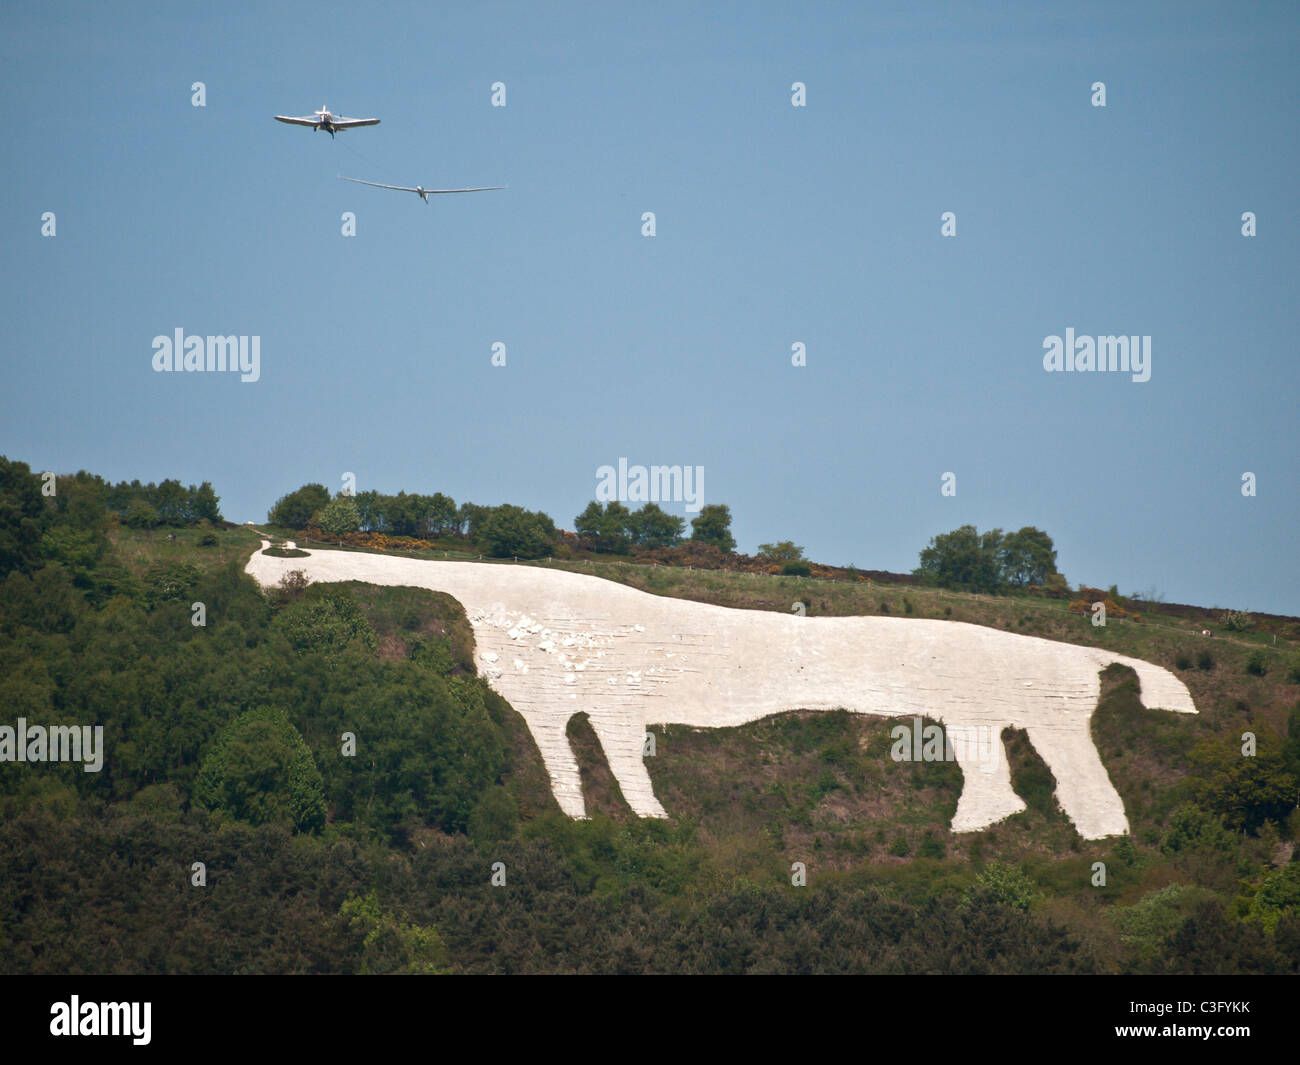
(395, 874)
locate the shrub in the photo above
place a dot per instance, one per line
(326, 624)
(1205, 660)
(1182, 662)
(169, 582)
(1278, 896)
(899, 848)
(931, 847)
(1145, 925)
(1007, 885)
(259, 770)
(1238, 621)
(495, 816)
(208, 540)
(1255, 664)
(294, 583)
(796, 569)
(1191, 828)
(390, 945)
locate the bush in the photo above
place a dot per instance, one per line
(1182, 662)
(1205, 660)
(495, 817)
(1255, 664)
(1244, 792)
(509, 531)
(1191, 828)
(294, 583)
(295, 509)
(167, 582)
(931, 847)
(326, 624)
(1278, 896)
(1238, 621)
(259, 770)
(208, 540)
(1145, 925)
(796, 569)
(1007, 885)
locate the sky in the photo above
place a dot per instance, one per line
(775, 225)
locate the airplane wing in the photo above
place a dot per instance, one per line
(348, 123)
(297, 121)
(408, 188)
(375, 184)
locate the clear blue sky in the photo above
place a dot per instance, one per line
(775, 224)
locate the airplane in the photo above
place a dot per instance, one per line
(419, 190)
(330, 123)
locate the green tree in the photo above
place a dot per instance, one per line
(469, 518)
(141, 514)
(1028, 556)
(206, 504)
(339, 516)
(1191, 828)
(652, 526)
(439, 516)
(510, 531)
(173, 502)
(608, 527)
(1278, 896)
(295, 509)
(495, 817)
(391, 946)
(713, 526)
(22, 517)
(259, 770)
(785, 551)
(964, 559)
(326, 623)
(1243, 790)
(1007, 885)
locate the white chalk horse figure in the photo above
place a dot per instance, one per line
(554, 643)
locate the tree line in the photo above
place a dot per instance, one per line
(500, 531)
(993, 561)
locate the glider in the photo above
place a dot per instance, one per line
(419, 190)
(324, 120)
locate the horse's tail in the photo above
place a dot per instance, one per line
(1161, 689)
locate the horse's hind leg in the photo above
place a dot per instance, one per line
(1083, 787)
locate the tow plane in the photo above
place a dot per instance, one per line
(420, 190)
(327, 121)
